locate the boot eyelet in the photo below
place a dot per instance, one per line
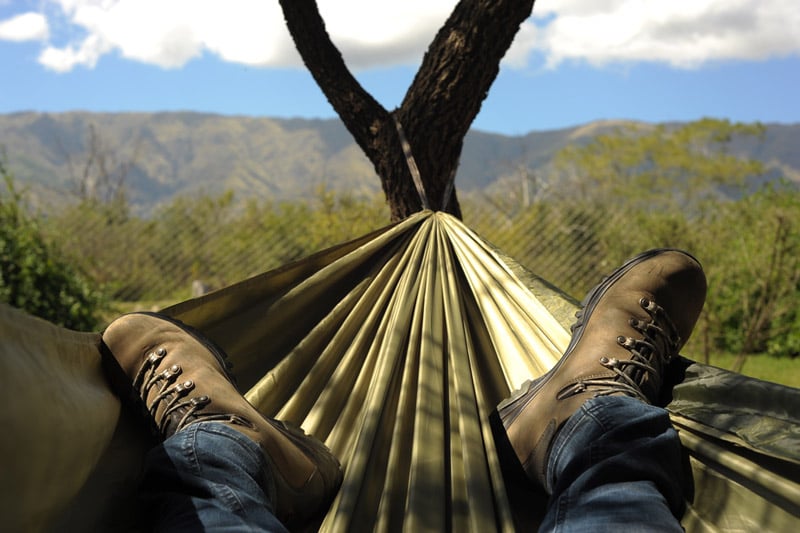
(609, 362)
(200, 401)
(636, 323)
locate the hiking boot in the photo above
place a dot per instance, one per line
(630, 326)
(177, 377)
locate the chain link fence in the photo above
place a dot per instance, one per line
(202, 243)
(750, 246)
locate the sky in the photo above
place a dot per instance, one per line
(572, 61)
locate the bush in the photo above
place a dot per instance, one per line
(33, 276)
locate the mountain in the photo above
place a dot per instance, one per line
(165, 154)
(161, 155)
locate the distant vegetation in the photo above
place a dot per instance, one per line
(208, 238)
(601, 201)
(168, 155)
(34, 273)
(638, 189)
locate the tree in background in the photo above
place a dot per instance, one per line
(33, 275)
(104, 241)
(682, 186)
(455, 76)
(660, 167)
(101, 176)
(754, 247)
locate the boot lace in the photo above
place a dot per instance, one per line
(174, 394)
(659, 344)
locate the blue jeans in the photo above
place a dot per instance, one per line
(614, 466)
(209, 477)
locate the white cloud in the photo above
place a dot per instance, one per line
(169, 33)
(374, 33)
(681, 33)
(24, 27)
(377, 33)
(64, 59)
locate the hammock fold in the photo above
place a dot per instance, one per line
(394, 349)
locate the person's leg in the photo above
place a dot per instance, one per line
(586, 431)
(220, 462)
(615, 466)
(209, 477)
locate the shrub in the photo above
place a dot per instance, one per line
(33, 275)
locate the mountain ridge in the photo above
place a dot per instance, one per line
(164, 154)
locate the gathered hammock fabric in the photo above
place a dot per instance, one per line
(393, 349)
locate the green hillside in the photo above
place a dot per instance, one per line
(163, 155)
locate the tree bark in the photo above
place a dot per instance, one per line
(455, 76)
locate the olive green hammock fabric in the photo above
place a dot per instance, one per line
(394, 350)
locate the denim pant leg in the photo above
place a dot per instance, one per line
(209, 477)
(615, 466)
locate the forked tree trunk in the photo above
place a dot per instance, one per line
(455, 76)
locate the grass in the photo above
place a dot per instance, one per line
(783, 370)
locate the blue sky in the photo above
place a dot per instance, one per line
(572, 62)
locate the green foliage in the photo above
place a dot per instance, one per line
(659, 167)
(755, 281)
(607, 200)
(33, 275)
(214, 239)
(680, 187)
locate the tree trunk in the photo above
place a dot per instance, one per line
(435, 115)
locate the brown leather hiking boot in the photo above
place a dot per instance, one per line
(630, 326)
(177, 377)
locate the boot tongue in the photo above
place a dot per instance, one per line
(180, 414)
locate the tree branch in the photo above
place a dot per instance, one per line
(456, 73)
(461, 64)
(370, 124)
(353, 104)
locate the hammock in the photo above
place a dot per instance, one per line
(394, 349)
